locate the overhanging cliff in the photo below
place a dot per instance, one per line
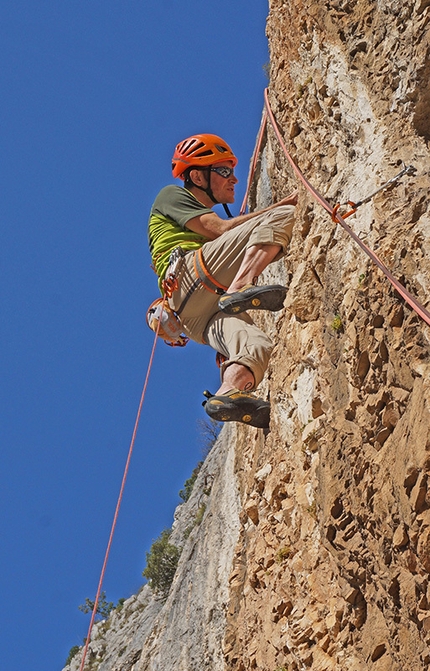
(313, 548)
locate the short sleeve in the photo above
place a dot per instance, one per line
(178, 204)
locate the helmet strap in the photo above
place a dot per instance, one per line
(209, 192)
(227, 210)
(208, 189)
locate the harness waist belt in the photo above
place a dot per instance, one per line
(202, 277)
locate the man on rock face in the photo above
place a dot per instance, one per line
(216, 263)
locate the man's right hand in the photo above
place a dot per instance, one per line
(290, 200)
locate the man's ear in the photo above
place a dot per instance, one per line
(198, 177)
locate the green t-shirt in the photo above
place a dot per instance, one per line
(172, 209)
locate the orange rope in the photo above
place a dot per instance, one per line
(118, 505)
(255, 156)
(337, 218)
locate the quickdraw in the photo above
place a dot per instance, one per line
(406, 170)
(404, 293)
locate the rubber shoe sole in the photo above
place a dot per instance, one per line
(238, 406)
(270, 297)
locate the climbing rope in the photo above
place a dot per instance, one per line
(254, 160)
(120, 496)
(333, 211)
(337, 218)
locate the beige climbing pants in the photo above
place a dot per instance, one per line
(236, 337)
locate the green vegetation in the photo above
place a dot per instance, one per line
(282, 554)
(162, 559)
(197, 519)
(185, 493)
(161, 563)
(188, 530)
(103, 607)
(337, 324)
(73, 651)
(120, 604)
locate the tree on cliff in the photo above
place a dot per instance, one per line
(161, 563)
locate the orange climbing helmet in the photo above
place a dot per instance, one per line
(200, 151)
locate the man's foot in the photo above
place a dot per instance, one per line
(238, 406)
(269, 297)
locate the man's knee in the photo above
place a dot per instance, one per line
(255, 356)
(275, 228)
(240, 341)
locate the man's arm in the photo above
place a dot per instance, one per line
(211, 226)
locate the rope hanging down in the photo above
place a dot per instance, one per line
(121, 492)
(333, 211)
(337, 218)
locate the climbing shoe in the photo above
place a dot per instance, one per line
(238, 406)
(269, 297)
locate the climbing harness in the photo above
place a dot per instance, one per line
(170, 328)
(337, 217)
(209, 282)
(160, 316)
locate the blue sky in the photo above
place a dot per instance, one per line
(95, 95)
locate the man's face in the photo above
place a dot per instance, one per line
(223, 187)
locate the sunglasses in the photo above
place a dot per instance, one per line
(223, 171)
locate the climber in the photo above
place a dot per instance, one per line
(216, 263)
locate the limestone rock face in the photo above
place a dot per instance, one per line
(314, 548)
(336, 540)
(186, 630)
